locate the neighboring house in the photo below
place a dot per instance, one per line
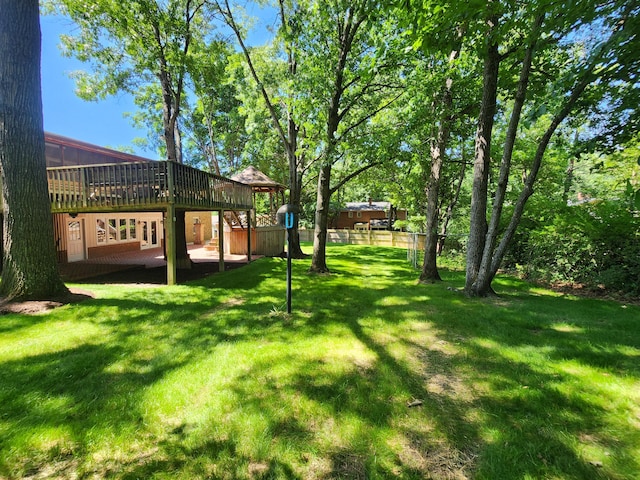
(369, 216)
(104, 201)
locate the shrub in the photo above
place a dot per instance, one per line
(595, 244)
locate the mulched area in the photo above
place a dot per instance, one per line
(34, 307)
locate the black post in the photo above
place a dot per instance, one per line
(286, 219)
(288, 270)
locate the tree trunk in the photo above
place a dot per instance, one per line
(482, 284)
(429, 267)
(295, 177)
(29, 261)
(319, 259)
(172, 142)
(295, 193)
(290, 138)
(478, 215)
(568, 179)
(438, 147)
(527, 191)
(183, 261)
(294, 159)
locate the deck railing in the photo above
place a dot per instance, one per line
(266, 220)
(137, 186)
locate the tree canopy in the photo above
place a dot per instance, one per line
(460, 111)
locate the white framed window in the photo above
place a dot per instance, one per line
(116, 229)
(112, 230)
(101, 231)
(359, 214)
(122, 228)
(350, 213)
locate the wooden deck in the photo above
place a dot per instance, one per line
(149, 186)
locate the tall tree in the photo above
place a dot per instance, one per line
(446, 100)
(29, 258)
(556, 72)
(353, 74)
(141, 47)
(288, 128)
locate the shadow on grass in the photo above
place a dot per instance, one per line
(211, 459)
(328, 388)
(53, 400)
(528, 418)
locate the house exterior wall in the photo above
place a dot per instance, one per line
(81, 236)
(349, 219)
(102, 234)
(206, 225)
(359, 219)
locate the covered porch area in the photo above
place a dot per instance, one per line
(146, 266)
(114, 191)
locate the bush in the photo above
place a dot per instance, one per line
(595, 244)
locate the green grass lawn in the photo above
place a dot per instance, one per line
(213, 379)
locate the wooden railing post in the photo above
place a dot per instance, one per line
(83, 188)
(86, 188)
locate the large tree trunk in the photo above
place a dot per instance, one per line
(29, 261)
(429, 267)
(482, 284)
(295, 178)
(527, 191)
(173, 144)
(293, 158)
(319, 259)
(478, 216)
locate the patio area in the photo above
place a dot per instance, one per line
(146, 266)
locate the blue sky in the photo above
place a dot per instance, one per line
(101, 123)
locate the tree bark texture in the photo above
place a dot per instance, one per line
(294, 159)
(527, 191)
(438, 147)
(171, 97)
(295, 176)
(429, 266)
(482, 284)
(319, 259)
(478, 215)
(492, 260)
(29, 261)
